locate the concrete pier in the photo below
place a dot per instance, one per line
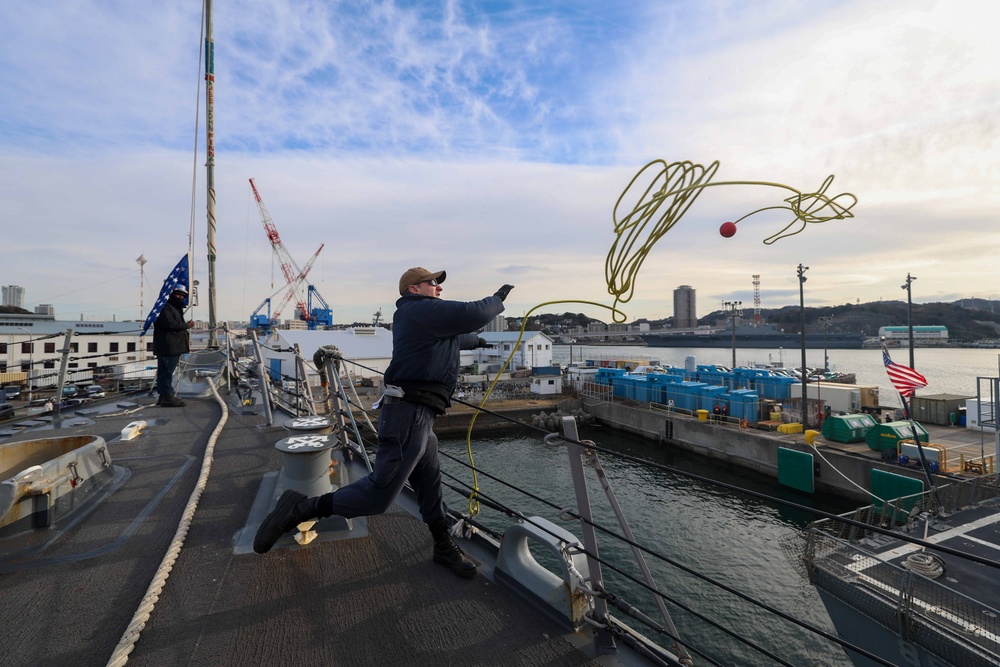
(841, 467)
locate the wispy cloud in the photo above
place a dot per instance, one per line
(493, 140)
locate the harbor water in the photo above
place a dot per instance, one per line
(948, 370)
(725, 535)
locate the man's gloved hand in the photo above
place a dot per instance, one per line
(504, 291)
(482, 342)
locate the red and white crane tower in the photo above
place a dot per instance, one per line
(294, 277)
(294, 288)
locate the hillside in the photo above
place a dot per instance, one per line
(964, 323)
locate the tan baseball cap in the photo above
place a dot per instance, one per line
(418, 274)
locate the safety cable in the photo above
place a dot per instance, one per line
(31, 340)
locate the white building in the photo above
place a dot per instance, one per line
(13, 295)
(499, 323)
(547, 383)
(535, 349)
(920, 333)
(33, 344)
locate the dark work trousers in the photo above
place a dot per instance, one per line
(407, 450)
(165, 367)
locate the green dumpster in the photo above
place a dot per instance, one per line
(848, 428)
(885, 437)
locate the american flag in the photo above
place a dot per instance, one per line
(177, 278)
(903, 378)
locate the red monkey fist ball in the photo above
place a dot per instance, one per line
(727, 229)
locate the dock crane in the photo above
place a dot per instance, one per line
(318, 316)
(294, 277)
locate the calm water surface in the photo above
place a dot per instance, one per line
(725, 535)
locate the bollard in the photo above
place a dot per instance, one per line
(307, 463)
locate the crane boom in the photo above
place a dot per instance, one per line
(288, 266)
(293, 289)
(294, 276)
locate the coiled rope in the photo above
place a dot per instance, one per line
(127, 643)
(926, 564)
(660, 205)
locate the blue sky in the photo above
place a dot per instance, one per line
(493, 139)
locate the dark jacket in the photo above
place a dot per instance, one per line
(427, 334)
(170, 333)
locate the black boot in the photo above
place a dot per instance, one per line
(170, 401)
(291, 509)
(447, 553)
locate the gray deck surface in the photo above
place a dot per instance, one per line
(374, 600)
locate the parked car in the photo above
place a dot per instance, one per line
(70, 390)
(40, 406)
(73, 402)
(6, 410)
(95, 391)
(12, 392)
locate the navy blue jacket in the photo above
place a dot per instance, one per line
(170, 332)
(427, 334)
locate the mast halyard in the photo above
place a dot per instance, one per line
(210, 168)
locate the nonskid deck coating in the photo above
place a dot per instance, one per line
(374, 600)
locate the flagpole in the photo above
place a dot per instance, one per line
(913, 428)
(920, 451)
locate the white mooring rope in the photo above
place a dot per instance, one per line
(145, 610)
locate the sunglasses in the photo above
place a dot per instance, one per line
(432, 283)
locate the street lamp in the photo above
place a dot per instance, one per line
(909, 312)
(735, 309)
(802, 310)
(824, 322)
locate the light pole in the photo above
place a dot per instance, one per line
(909, 312)
(805, 375)
(824, 322)
(735, 309)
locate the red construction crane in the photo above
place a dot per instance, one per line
(293, 288)
(293, 275)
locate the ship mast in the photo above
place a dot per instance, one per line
(210, 168)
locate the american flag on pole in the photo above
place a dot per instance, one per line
(903, 378)
(177, 278)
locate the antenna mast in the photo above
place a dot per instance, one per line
(141, 261)
(756, 299)
(213, 341)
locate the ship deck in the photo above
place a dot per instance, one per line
(374, 599)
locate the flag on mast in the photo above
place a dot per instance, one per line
(177, 278)
(903, 378)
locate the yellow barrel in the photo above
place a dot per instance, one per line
(703, 415)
